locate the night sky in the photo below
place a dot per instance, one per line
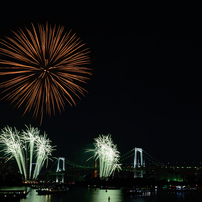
(146, 88)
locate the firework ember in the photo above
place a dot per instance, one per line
(43, 67)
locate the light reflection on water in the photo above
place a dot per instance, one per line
(83, 195)
(101, 195)
(109, 195)
(34, 197)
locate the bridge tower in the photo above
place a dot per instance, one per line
(95, 172)
(138, 159)
(138, 162)
(59, 170)
(36, 171)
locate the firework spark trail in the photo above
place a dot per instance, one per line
(107, 154)
(30, 135)
(14, 147)
(45, 66)
(43, 151)
(17, 144)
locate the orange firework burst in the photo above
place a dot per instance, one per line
(42, 67)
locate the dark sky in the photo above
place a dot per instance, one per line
(146, 88)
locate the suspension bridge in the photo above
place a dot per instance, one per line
(139, 157)
(135, 163)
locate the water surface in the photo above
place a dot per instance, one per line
(78, 194)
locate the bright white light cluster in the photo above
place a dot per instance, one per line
(27, 144)
(107, 154)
